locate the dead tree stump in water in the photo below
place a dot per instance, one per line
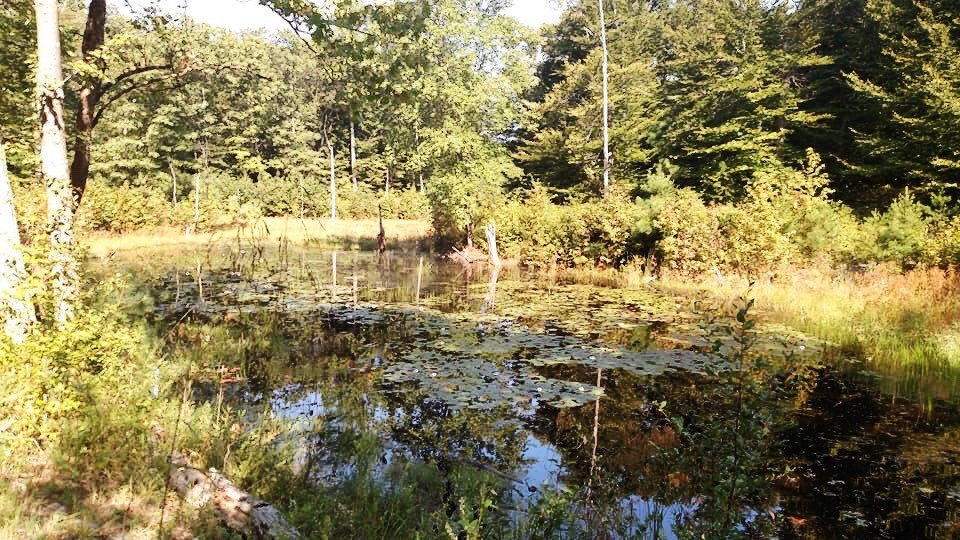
(491, 232)
(237, 509)
(382, 236)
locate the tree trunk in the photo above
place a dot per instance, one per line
(61, 204)
(333, 183)
(90, 93)
(382, 235)
(353, 156)
(491, 233)
(173, 174)
(387, 186)
(18, 315)
(419, 163)
(196, 202)
(606, 105)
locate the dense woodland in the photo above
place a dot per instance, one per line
(696, 144)
(834, 119)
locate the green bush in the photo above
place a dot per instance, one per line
(826, 229)
(689, 241)
(121, 208)
(278, 196)
(537, 232)
(401, 204)
(56, 376)
(899, 234)
(611, 229)
(943, 246)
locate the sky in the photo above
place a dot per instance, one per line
(247, 14)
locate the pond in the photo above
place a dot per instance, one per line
(646, 413)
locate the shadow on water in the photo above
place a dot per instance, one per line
(614, 397)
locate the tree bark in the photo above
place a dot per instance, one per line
(61, 204)
(173, 174)
(196, 201)
(237, 509)
(93, 38)
(606, 105)
(18, 315)
(382, 235)
(333, 183)
(353, 156)
(491, 233)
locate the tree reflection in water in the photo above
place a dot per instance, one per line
(828, 454)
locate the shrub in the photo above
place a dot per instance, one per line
(401, 204)
(900, 234)
(688, 234)
(611, 229)
(537, 232)
(943, 246)
(826, 229)
(57, 375)
(461, 202)
(121, 208)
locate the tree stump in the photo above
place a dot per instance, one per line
(382, 236)
(491, 232)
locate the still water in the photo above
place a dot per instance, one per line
(634, 402)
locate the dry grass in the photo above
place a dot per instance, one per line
(905, 326)
(343, 234)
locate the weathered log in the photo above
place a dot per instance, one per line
(236, 508)
(467, 257)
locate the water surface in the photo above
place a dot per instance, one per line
(620, 395)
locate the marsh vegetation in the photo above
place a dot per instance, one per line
(414, 270)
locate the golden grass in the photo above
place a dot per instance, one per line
(344, 234)
(903, 325)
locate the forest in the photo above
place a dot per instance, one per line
(415, 269)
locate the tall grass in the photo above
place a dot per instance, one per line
(904, 326)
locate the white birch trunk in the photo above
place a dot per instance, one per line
(173, 174)
(333, 184)
(491, 233)
(353, 157)
(606, 105)
(61, 204)
(196, 201)
(18, 315)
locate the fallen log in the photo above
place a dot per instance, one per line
(467, 257)
(237, 509)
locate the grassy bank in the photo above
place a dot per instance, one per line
(89, 414)
(904, 326)
(341, 234)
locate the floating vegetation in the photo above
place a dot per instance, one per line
(486, 358)
(623, 390)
